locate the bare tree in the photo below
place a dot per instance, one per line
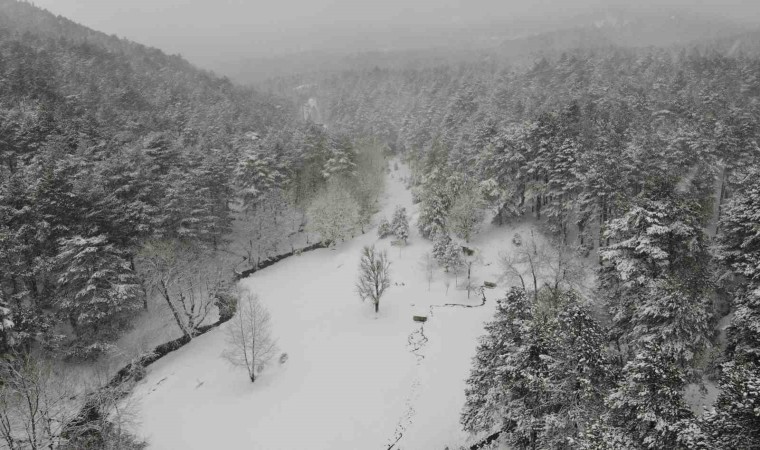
(514, 267)
(526, 261)
(184, 278)
(428, 265)
(333, 214)
(554, 266)
(374, 275)
(107, 425)
(249, 336)
(563, 269)
(470, 260)
(40, 405)
(34, 404)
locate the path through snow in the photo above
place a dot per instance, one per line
(352, 381)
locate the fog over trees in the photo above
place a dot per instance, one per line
(585, 173)
(250, 40)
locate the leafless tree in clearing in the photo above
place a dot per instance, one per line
(471, 282)
(374, 275)
(249, 336)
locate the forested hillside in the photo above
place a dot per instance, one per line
(114, 153)
(104, 141)
(621, 183)
(126, 174)
(645, 159)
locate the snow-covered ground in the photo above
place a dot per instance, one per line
(352, 380)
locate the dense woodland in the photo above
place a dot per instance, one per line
(646, 160)
(122, 171)
(122, 167)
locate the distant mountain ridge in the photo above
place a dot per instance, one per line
(505, 42)
(621, 29)
(87, 68)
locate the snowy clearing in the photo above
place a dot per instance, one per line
(352, 380)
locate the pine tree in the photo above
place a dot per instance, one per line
(452, 258)
(647, 404)
(441, 243)
(563, 186)
(99, 293)
(342, 158)
(501, 165)
(207, 215)
(400, 224)
(680, 323)
(256, 174)
(439, 190)
(740, 243)
(122, 206)
(7, 339)
(384, 228)
(582, 371)
(655, 278)
(540, 373)
(175, 218)
(485, 397)
(161, 153)
(212, 176)
(735, 423)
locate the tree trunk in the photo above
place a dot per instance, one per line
(175, 313)
(469, 269)
(535, 279)
(133, 269)
(377, 306)
(721, 195)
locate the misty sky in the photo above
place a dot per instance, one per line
(209, 30)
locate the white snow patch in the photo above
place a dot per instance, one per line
(352, 380)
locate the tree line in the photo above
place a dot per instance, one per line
(646, 159)
(123, 174)
(117, 181)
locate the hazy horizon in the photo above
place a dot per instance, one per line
(209, 33)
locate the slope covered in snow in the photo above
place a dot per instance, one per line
(352, 380)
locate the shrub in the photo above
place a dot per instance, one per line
(384, 228)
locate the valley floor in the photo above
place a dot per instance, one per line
(352, 380)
